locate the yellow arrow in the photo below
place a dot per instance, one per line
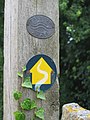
(41, 72)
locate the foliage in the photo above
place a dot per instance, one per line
(24, 68)
(33, 104)
(19, 115)
(40, 113)
(20, 74)
(75, 52)
(27, 83)
(1, 56)
(41, 95)
(17, 95)
(28, 104)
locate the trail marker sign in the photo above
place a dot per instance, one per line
(42, 71)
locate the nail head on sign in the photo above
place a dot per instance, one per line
(40, 26)
(42, 71)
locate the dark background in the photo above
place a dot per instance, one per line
(75, 52)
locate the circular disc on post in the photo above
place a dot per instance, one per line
(42, 72)
(40, 26)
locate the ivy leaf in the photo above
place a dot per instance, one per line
(78, 13)
(88, 68)
(26, 104)
(27, 83)
(41, 95)
(19, 115)
(24, 68)
(32, 118)
(17, 95)
(40, 113)
(74, 69)
(20, 74)
(33, 104)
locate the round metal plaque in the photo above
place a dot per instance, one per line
(40, 26)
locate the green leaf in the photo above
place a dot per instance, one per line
(17, 95)
(20, 74)
(27, 83)
(26, 104)
(78, 13)
(74, 69)
(24, 68)
(41, 95)
(88, 67)
(33, 104)
(19, 115)
(69, 29)
(32, 119)
(40, 113)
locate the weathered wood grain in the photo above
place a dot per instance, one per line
(19, 47)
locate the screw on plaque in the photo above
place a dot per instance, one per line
(40, 26)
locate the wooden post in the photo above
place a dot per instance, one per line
(19, 47)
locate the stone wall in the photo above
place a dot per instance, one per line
(73, 111)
